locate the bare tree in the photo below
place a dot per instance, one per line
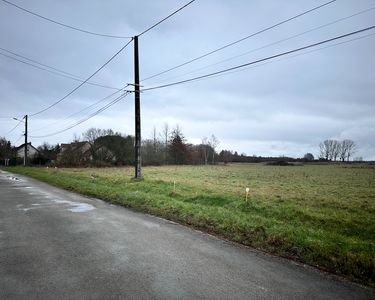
(205, 149)
(76, 138)
(6, 149)
(330, 149)
(350, 149)
(343, 151)
(331, 145)
(165, 136)
(154, 140)
(153, 152)
(91, 135)
(214, 142)
(324, 150)
(336, 148)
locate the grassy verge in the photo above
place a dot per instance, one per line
(321, 215)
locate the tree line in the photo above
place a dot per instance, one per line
(171, 147)
(335, 150)
(104, 147)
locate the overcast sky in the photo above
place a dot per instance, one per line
(283, 107)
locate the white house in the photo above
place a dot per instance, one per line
(31, 151)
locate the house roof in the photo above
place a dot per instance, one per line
(80, 146)
(23, 145)
(74, 144)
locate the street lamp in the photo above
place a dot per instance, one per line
(14, 118)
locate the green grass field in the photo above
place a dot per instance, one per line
(323, 215)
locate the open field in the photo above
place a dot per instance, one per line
(323, 215)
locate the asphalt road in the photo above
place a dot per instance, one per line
(59, 245)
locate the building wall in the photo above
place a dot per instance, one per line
(31, 152)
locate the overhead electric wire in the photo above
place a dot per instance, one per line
(261, 60)
(118, 52)
(85, 81)
(166, 18)
(86, 118)
(75, 78)
(84, 109)
(69, 75)
(273, 43)
(9, 117)
(240, 40)
(64, 25)
(91, 105)
(18, 139)
(37, 62)
(289, 57)
(10, 131)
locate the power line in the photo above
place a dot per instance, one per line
(240, 40)
(86, 118)
(84, 109)
(75, 78)
(97, 102)
(18, 139)
(37, 62)
(14, 128)
(85, 81)
(293, 56)
(273, 43)
(9, 117)
(91, 32)
(53, 68)
(64, 25)
(167, 17)
(261, 60)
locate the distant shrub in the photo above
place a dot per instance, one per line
(279, 163)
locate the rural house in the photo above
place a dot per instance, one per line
(75, 154)
(32, 152)
(84, 153)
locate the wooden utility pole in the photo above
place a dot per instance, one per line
(138, 165)
(25, 155)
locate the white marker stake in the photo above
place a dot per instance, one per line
(247, 192)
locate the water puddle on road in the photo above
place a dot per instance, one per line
(27, 209)
(76, 206)
(150, 225)
(82, 207)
